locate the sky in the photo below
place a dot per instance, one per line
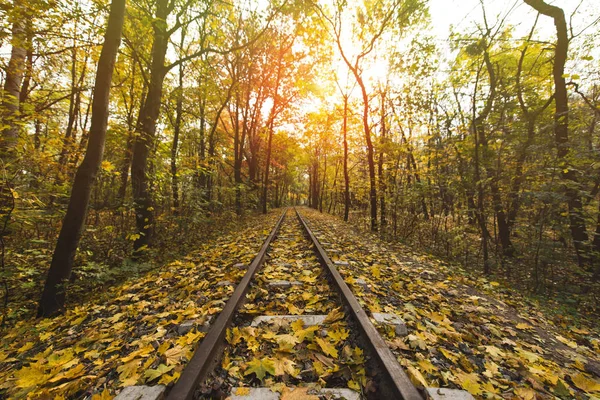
(462, 14)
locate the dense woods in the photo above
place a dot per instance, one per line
(131, 128)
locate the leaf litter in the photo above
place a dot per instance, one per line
(464, 333)
(141, 332)
(282, 354)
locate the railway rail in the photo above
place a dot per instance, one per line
(391, 382)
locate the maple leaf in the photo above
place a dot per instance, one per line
(338, 335)
(427, 366)
(586, 384)
(307, 333)
(416, 377)
(525, 393)
(495, 352)
(469, 382)
(153, 374)
(70, 374)
(31, 376)
(523, 326)
(242, 391)
(174, 355)
(284, 366)
(286, 342)
(334, 315)
(566, 341)
(297, 325)
(167, 379)
(105, 395)
(297, 394)
(327, 347)
(260, 367)
(128, 374)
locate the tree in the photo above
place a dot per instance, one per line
(53, 297)
(561, 128)
(372, 25)
(14, 78)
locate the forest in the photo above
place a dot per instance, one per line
(445, 154)
(134, 130)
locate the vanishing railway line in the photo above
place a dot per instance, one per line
(313, 315)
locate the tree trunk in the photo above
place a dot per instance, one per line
(12, 84)
(382, 187)
(144, 216)
(346, 175)
(370, 153)
(176, 132)
(53, 297)
(561, 129)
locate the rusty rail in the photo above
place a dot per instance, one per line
(207, 354)
(398, 383)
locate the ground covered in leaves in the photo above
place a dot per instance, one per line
(142, 331)
(464, 332)
(284, 353)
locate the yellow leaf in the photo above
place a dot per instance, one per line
(174, 355)
(416, 377)
(327, 347)
(153, 374)
(167, 379)
(525, 393)
(566, 341)
(25, 347)
(163, 347)
(449, 355)
(491, 369)
(469, 382)
(523, 326)
(284, 366)
(79, 320)
(105, 395)
(297, 325)
(242, 391)
(70, 374)
(427, 366)
(260, 367)
(353, 385)
(31, 376)
(286, 342)
(376, 272)
(338, 335)
(495, 352)
(128, 373)
(300, 393)
(586, 384)
(334, 315)
(307, 333)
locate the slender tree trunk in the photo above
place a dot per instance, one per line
(176, 133)
(382, 187)
(12, 84)
(324, 184)
(370, 154)
(346, 175)
(144, 215)
(53, 297)
(561, 129)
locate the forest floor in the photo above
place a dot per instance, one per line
(463, 332)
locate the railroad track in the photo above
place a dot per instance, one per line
(314, 316)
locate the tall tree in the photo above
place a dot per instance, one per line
(53, 296)
(14, 78)
(561, 127)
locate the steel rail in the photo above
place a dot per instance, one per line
(207, 354)
(399, 384)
